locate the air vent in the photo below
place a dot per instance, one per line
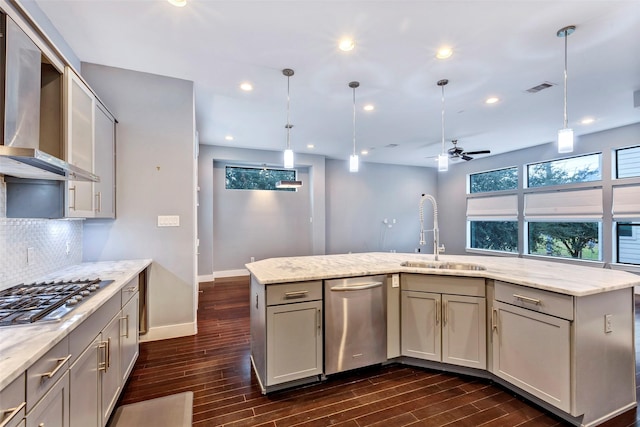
(391, 146)
(541, 86)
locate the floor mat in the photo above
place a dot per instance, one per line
(168, 411)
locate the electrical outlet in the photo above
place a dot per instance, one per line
(608, 326)
(67, 249)
(395, 280)
(30, 256)
(253, 259)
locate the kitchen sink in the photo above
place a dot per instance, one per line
(444, 265)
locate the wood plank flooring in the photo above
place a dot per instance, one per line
(215, 365)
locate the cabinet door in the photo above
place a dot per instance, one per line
(53, 408)
(532, 350)
(104, 163)
(84, 387)
(294, 341)
(79, 142)
(421, 331)
(464, 339)
(128, 337)
(111, 371)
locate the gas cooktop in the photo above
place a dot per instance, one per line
(24, 304)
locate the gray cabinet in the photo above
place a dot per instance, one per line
(79, 136)
(110, 380)
(53, 409)
(13, 403)
(84, 379)
(443, 319)
(129, 344)
(286, 333)
(104, 139)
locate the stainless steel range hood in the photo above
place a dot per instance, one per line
(31, 111)
(35, 164)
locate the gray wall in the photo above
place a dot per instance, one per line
(155, 168)
(357, 204)
(452, 185)
(335, 211)
(234, 225)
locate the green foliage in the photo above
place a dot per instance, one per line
(240, 178)
(565, 171)
(495, 235)
(559, 238)
(496, 180)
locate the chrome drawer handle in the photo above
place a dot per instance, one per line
(357, 287)
(527, 299)
(12, 414)
(295, 294)
(60, 364)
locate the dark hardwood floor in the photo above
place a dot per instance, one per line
(215, 365)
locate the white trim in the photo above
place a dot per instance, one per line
(576, 261)
(632, 268)
(489, 252)
(564, 204)
(223, 273)
(170, 331)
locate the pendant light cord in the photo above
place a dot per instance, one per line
(442, 118)
(354, 120)
(288, 123)
(566, 36)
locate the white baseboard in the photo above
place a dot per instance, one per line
(223, 273)
(169, 331)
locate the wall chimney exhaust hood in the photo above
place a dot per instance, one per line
(35, 164)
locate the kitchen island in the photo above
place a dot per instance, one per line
(561, 335)
(48, 369)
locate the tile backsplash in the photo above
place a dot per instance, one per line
(31, 248)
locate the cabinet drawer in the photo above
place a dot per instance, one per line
(128, 291)
(53, 409)
(452, 285)
(547, 302)
(46, 371)
(13, 402)
(82, 336)
(294, 292)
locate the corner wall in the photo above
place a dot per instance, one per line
(155, 166)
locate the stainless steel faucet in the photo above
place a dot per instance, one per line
(437, 248)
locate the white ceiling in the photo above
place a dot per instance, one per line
(501, 48)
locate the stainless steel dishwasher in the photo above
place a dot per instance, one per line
(355, 323)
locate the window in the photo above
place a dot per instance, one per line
(628, 237)
(494, 235)
(564, 224)
(243, 178)
(578, 240)
(628, 162)
(495, 180)
(565, 171)
(493, 223)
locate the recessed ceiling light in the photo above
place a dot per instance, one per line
(444, 53)
(346, 44)
(311, 146)
(369, 107)
(588, 120)
(364, 152)
(229, 137)
(246, 86)
(492, 100)
(178, 3)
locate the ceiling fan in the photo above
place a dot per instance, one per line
(456, 152)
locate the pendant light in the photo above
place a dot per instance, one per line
(288, 153)
(443, 158)
(353, 159)
(565, 135)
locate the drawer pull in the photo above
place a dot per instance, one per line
(102, 366)
(295, 294)
(13, 412)
(494, 322)
(527, 299)
(126, 328)
(60, 363)
(131, 289)
(444, 313)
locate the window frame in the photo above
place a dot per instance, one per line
(294, 173)
(615, 159)
(518, 181)
(526, 179)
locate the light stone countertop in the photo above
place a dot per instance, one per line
(22, 345)
(564, 278)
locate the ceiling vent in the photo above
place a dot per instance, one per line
(391, 145)
(541, 86)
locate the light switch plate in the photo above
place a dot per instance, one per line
(395, 281)
(168, 220)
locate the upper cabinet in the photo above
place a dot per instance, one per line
(90, 145)
(104, 149)
(79, 136)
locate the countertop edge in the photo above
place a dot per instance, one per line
(63, 328)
